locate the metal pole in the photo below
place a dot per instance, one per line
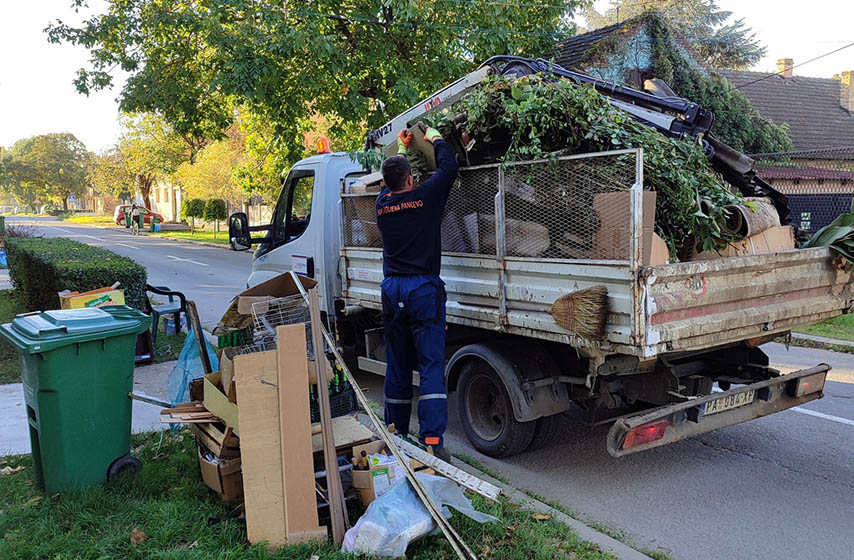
(501, 248)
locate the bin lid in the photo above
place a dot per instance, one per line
(42, 331)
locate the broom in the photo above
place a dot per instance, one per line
(584, 312)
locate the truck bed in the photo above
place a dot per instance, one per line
(519, 238)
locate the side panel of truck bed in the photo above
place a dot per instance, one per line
(695, 305)
(531, 287)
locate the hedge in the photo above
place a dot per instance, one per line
(41, 267)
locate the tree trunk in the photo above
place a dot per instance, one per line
(144, 182)
(65, 203)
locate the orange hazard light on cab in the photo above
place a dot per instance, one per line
(645, 433)
(323, 145)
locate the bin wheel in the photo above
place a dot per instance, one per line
(125, 464)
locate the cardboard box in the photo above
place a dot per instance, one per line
(772, 240)
(280, 286)
(218, 438)
(216, 401)
(224, 476)
(612, 239)
(372, 483)
(226, 370)
(93, 298)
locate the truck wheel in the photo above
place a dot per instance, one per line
(487, 414)
(545, 431)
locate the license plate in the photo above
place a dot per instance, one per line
(729, 402)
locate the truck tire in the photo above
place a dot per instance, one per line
(487, 415)
(545, 431)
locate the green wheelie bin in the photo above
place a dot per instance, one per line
(77, 372)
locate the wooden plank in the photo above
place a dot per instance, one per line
(347, 431)
(193, 318)
(256, 375)
(295, 435)
(335, 492)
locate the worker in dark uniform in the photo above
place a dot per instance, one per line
(413, 295)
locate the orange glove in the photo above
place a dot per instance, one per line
(431, 134)
(404, 139)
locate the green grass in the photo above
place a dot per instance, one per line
(97, 220)
(169, 502)
(10, 362)
(206, 236)
(841, 328)
(168, 346)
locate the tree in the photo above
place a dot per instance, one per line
(216, 210)
(148, 150)
(211, 174)
(49, 166)
(357, 63)
(15, 179)
(721, 42)
(191, 209)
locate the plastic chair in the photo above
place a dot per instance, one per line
(172, 307)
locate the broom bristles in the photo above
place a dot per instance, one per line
(584, 312)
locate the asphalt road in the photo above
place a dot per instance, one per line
(777, 487)
(211, 276)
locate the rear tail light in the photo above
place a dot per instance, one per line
(645, 433)
(809, 384)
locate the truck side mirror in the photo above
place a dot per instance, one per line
(238, 232)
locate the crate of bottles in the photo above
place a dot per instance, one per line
(342, 397)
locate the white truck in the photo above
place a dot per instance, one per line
(682, 351)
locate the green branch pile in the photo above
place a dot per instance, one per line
(535, 117)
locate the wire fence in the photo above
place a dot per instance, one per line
(818, 183)
(575, 207)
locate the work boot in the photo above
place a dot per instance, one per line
(443, 454)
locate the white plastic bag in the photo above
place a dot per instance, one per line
(398, 517)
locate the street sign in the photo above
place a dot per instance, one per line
(72, 198)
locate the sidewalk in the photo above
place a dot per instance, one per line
(15, 438)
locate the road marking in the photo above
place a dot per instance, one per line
(822, 415)
(61, 229)
(126, 245)
(92, 237)
(186, 260)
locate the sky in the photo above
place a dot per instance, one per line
(37, 95)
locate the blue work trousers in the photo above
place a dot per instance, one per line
(414, 320)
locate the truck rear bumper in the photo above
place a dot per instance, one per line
(671, 423)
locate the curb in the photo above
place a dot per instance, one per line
(606, 543)
(204, 243)
(823, 339)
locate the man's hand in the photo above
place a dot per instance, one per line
(431, 134)
(404, 139)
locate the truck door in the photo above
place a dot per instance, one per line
(294, 230)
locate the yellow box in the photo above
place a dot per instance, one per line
(94, 298)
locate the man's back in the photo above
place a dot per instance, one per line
(410, 222)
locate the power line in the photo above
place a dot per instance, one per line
(794, 66)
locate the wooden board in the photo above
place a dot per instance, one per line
(347, 431)
(335, 492)
(295, 435)
(218, 438)
(256, 376)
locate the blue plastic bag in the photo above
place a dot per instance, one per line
(188, 368)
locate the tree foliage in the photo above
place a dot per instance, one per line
(722, 42)
(357, 63)
(191, 210)
(211, 173)
(46, 167)
(148, 150)
(215, 210)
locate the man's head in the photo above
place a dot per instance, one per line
(397, 173)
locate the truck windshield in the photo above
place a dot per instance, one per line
(293, 210)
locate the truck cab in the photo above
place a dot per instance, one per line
(304, 233)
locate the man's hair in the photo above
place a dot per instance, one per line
(395, 170)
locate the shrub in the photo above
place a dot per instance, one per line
(216, 210)
(191, 209)
(42, 267)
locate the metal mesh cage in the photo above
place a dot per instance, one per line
(573, 207)
(275, 313)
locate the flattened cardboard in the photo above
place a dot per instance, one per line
(612, 239)
(771, 240)
(418, 143)
(217, 402)
(280, 286)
